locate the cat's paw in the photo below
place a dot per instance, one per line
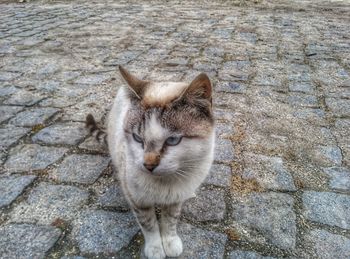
(154, 251)
(172, 246)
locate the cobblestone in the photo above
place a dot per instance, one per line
(32, 157)
(269, 172)
(237, 254)
(33, 241)
(12, 186)
(10, 135)
(327, 208)
(209, 204)
(7, 112)
(199, 243)
(80, 169)
(103, 232)
(47, 203)
(219, 175)
(63, 133)
(33, 117)
(339, 178)
(280, 74)
(275, 223)
(327, 245)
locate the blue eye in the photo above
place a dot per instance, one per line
(137, 138)
(173, 141)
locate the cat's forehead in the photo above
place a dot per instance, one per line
(160, 94)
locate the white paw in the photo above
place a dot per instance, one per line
(154, 251)
(172, 246)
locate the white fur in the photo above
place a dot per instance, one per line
(148, 190)
(144, 188)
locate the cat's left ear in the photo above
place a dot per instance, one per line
(199, 88)
(137, 86)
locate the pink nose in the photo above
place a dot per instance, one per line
(150, 167)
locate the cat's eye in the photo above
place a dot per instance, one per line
(173, 141)
(137, 138)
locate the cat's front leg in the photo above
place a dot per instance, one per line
(171, 241)
(147, 220)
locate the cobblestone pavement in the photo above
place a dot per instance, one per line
(280, 184)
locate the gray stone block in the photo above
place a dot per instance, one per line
(32, 157)
(339, 178)
(327, 208)
(223, 150)
(209, 204)
(12, 186)
(81, 168)
(199, 243)
(239, 254)
(103, 232)
(219, 175)
(48, 202)
(63, 133)
(326, 245)
(10, 134)
(26, 240)
(33, 117)
(265, 218)
(24, 97)
(270, 172)
(7, 112)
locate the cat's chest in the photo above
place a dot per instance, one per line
(156, 193)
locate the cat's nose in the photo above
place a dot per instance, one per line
(151, 160)
(150, 167)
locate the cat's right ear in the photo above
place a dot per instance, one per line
(137, 86)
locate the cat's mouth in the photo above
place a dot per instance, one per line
(158, 173)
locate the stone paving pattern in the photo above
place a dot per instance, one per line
(280, 184)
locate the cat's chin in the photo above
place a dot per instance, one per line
(158, 174)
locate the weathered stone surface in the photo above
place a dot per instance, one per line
(327, 245)
(111, 196)
(12, 186)
(339, 178)
(32, 157)
(47, 203)
(302, 100)
(62, 133)
(7, 90)
(327, 155)
(239, 254)
(33, 117)
(327, 208)
(219, 175)
(80, 168)
(209, 204)
(231, 87)
(7, 112)
(341, 107)
(103, 232)
(223, 150)
(265, 217)
(91, 143)
(8, 76)
(199, 243)
(305, 87)
(24, 97)
(91, 79)
(10, 135)
(270, 172)
(26, 240)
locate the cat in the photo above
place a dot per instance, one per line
(161, 138)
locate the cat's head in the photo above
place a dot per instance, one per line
(169, 126)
